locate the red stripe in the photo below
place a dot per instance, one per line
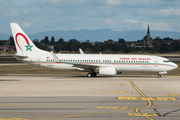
(98, 63)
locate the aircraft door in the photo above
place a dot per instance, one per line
(38, 61)
(156, 62)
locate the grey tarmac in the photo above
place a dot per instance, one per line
(48, 97)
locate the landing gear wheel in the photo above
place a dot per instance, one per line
(89, 75)
(94, 74)
(159, 75)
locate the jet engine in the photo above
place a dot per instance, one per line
(107, 71)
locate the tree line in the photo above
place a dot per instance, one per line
(119, 46)
(86, 46)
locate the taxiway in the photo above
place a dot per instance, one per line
(34, 97)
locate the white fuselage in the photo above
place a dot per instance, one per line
(120, 62)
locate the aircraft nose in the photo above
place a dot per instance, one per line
(175, 65)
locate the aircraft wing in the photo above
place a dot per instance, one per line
(79, 65)
(85, 66)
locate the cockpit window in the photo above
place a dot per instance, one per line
(166, 61)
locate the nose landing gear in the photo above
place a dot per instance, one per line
(159, 75)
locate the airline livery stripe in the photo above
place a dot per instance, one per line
(45, 62)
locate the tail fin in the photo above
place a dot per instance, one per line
(24, 45)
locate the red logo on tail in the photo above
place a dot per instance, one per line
(25, 38)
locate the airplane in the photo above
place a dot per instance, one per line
(102, 64)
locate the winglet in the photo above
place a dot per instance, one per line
(55, 57)
(81, 51)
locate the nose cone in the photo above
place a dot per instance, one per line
(175, 65)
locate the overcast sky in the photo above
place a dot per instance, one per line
(52, 15)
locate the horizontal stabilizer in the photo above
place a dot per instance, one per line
(21, 56)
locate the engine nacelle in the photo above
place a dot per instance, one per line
(107, 71)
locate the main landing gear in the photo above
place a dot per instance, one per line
(92, 74)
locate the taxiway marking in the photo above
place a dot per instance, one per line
(13, 119)
(118, 92)
(146, 98)
(140, 92)
(137, 110)
(40, 106)
(142, 114)
(70, 116)
(109, 107)
(115, 84)
(174, 95)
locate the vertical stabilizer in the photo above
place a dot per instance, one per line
(24, 45)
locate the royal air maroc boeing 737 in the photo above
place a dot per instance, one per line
(102, 64)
